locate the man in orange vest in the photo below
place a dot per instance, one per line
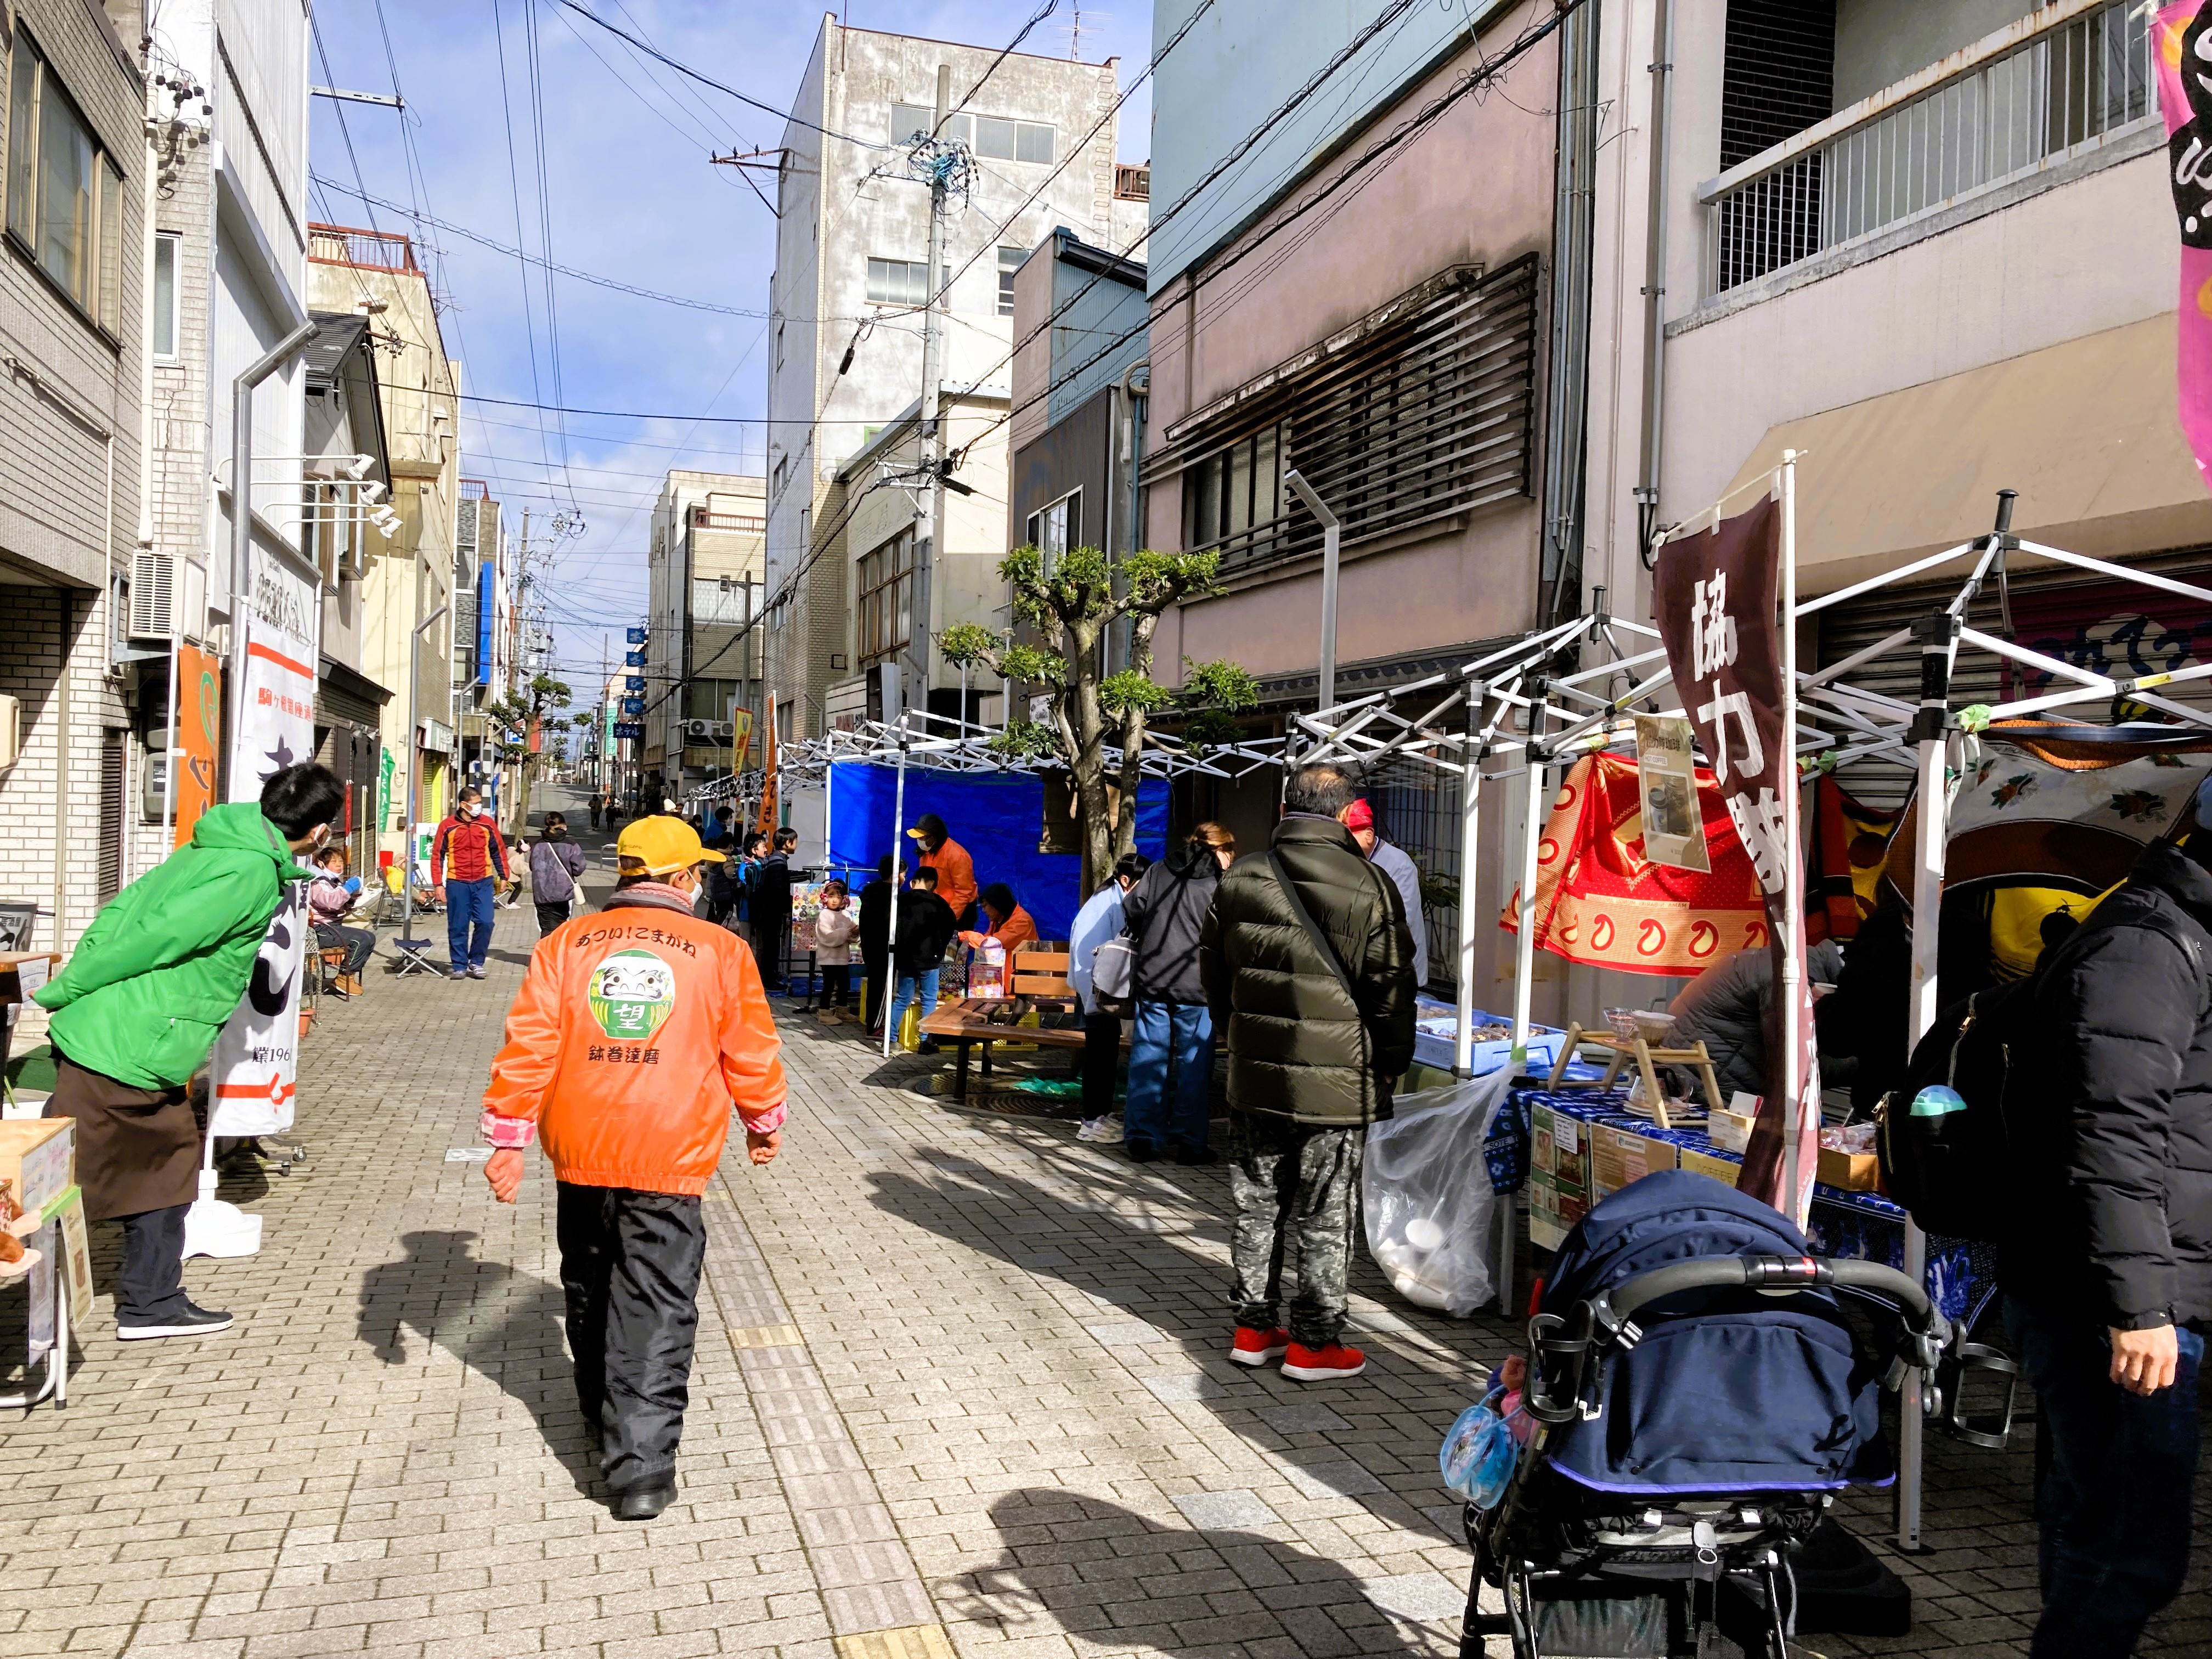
(636, 1029)
(956, 870)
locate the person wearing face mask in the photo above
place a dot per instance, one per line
(136, 1011)
(636, 1032)
(557, 865)
(469, 842)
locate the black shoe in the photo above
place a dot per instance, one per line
(1199, 1155)
(645, 1500)
(192, 1322)
(927, 1046)
(1141, 1151)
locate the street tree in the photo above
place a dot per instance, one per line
(513, 721)
(1074, 607)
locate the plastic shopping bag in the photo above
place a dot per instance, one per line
(1428, 1197)
(1482, 1445)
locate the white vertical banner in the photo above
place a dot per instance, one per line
(255, 1061)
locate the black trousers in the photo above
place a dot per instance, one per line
(836, 984)
(1102, 1057)
(150, 1288)
(630, 1264)
(550, 916)
(872, 973)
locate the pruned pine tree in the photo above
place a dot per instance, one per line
(1074, 606)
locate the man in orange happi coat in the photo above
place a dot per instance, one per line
(635, 1031)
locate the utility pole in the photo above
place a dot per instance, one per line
(932, 374)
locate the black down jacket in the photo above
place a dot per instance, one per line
(1298, 1048)
(2111, 1109)
(1165, 910)
(1728, 1007)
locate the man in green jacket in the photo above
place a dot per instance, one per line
(137, 1010)
(1308, 966)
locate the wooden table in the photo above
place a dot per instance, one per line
(967, 1022)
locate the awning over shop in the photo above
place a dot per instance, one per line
(2085, 431)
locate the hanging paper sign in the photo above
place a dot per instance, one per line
(1667, 782)
(1716, 594)
(256, 1056)
(2184, 95)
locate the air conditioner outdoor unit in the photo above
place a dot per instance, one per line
(153, 595)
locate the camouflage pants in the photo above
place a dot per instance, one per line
(1297, 1185)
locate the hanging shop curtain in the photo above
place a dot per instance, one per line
(1600, 903)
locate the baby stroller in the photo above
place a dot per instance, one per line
(1699, 1397)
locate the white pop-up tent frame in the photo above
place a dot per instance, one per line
(1938, 733)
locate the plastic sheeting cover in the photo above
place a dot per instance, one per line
(997, 816)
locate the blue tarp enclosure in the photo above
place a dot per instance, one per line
(997, 816)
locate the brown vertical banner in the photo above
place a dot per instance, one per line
(1716, 594)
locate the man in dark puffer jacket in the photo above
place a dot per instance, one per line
(1310, 1068)
(2110, 1283)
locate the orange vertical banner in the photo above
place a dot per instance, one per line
(764, 822)
(198, 734)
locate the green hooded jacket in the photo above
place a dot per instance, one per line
(164, 964)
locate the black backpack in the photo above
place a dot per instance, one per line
(1945, 1137)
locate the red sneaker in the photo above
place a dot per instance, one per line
(1304, 1364)
(1258, 1348)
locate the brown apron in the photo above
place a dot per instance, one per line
(136, 1149)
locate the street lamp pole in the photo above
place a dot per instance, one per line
(1332, 533)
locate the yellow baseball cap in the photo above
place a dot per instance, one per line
(661, 845)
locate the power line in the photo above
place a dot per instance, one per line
(514, 193)
(684, 69)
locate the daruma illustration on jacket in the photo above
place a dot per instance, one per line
(631, 993)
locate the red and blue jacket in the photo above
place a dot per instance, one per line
(472, 846)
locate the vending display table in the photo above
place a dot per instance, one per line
(1569, 1149)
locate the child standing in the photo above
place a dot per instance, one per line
(835, 927)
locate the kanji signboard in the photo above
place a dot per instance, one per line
(1716, 593)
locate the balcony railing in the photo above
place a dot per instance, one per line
(373, 250)
(2063, 78)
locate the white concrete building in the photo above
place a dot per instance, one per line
(845, 337)
(705, 566)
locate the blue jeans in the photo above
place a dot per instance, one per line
(904, 994)
(468, 921)
(2112, 1479)
(1169, 1036)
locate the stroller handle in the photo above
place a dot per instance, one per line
(1567, 1346)
(1781, 1273)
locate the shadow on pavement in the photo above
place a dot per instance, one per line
(1113, 1578)
(505, 1325)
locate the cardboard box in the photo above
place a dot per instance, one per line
(1731, 1130)
(1620, 1158)
(39, 1156)
(1725, 1169)
(1559, 1175)
(1855, 1172)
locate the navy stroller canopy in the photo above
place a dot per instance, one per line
(1725, 1391)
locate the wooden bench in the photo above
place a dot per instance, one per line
(1039, 972)
(967, 1022)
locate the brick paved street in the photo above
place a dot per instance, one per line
(960, 1390)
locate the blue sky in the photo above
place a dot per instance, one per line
(628, 194)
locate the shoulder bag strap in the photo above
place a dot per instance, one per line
(1313, 928)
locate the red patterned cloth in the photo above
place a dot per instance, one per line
(1600, 903)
